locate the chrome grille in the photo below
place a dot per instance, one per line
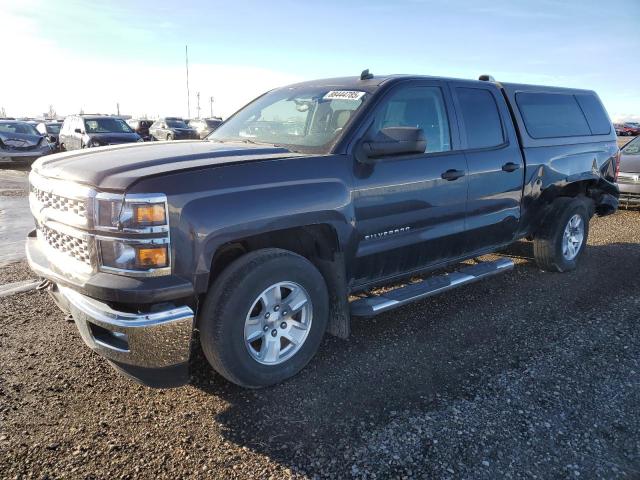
(60, 203)
(76, 248)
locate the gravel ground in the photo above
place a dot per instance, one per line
(525, 375)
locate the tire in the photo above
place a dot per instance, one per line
(236, 295)
(549, 247)
(169, 137)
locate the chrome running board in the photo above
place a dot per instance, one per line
(370, 306)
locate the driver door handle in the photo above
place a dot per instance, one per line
(452, 174)
(510, 167)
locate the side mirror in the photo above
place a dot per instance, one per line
(393, 141)
(77, 130)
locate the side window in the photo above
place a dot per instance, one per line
(421, 107)
(597, 118)
(481, 118)
(552, 115)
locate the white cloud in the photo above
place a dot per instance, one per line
(625, 117)
(37, 73)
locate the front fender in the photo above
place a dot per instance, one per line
(242, 207)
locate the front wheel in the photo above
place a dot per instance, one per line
(563, 236)
(264, 317)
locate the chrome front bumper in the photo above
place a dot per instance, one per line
(629, 185)
(153, 348)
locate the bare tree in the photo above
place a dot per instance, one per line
(52, 112)
(3, 112)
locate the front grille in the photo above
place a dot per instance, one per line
(74, 247)
(60, 203)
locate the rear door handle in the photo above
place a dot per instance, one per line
(452, 174)
(510, 167)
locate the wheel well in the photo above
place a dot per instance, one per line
(314, 242)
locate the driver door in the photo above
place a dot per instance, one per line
(410, 209)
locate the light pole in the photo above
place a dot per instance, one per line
(198, 97)
(186, 59)
(211, 105)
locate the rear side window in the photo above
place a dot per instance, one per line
(552, 115)
(481, 118)
(594, 112)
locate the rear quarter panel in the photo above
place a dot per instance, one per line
(552, 164)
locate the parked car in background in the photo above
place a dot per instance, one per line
(204, 126)
(86, 131)
(51, 130)
(141, 127)
(629, 176)
(21, 143)
(172, 128)
(627, 129)
(274, 230)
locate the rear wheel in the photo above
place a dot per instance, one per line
(563, 235)
(169, 137)
(264, 317)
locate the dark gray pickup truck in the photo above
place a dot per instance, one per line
(272, 231)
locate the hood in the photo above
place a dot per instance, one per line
(116, 168)
(630, 162)
(20, 140)
(107, 138)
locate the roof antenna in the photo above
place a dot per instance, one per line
(365, 75)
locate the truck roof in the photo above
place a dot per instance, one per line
(376, 81)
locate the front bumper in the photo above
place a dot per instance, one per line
(22, 156)
(630, 190)
(153, 348)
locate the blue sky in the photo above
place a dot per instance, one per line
(588, 43)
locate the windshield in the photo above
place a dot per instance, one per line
(309, 119)
(18, 127)
(632, 148)
(53, 128)
(176, 124)
(106, 125)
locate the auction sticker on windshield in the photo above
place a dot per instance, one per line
(343, 95)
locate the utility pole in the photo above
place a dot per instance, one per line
(186, 57)
(211, 105)
(118, 108)
(198, 96)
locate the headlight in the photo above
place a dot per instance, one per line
(147, 213)
(129, 216)
(131, 256)
(128, 255)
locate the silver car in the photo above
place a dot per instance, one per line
(21, 143)
(629, 176)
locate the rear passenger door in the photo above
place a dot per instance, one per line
(496, 167)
